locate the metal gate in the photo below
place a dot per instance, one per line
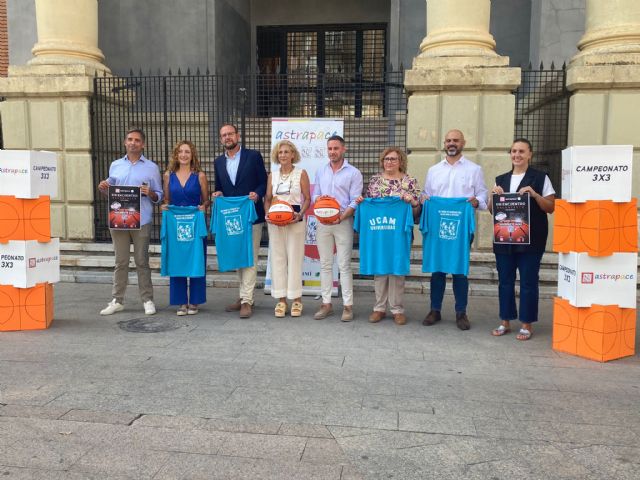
(542, 116)
(192, 106)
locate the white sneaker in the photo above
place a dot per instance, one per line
(149, 307)
(112, 307)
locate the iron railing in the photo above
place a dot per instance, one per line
(193, 106)
(542, 116)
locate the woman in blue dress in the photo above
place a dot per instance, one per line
(185, 184)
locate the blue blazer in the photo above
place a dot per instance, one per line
(251, 177)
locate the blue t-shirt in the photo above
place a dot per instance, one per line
(385, 226)
(181, 234)
(232, 224)
(447, 225)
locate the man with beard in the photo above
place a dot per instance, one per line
(454, 176)
(240, 171)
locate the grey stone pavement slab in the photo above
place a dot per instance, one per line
(267, 398)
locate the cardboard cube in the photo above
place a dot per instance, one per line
(28, 173)
(26, 308)
(599, 332)
(24, 263)
(25, 219)
(585, 280)
(598, 172)
(598, 227)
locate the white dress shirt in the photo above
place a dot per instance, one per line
(462, 179)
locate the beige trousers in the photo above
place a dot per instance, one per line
(389, 289)
(122, 239)
(339, 236)
(286, 246)
(247, 276)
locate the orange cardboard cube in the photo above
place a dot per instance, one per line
(26, 308)
(598, 227)
(599, 332)
(25, 219)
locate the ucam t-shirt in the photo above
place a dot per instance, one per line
(385, 226)
(446, 225)
(232, 224)
(181, 234)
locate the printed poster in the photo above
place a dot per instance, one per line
(309, 135)
(511, 219)
(124, 207)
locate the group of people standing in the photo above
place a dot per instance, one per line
(241, 172)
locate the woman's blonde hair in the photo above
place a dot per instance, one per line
(401, 154)
(174, 164)
(292, 147)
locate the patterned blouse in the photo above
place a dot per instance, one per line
(383, 187)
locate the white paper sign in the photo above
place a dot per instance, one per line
(25, 263)
(28, 173)
(600, 172)
(585, 280)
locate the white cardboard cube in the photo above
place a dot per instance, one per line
(585, 280)
(599, 172)
(28, 173)
(23, 263)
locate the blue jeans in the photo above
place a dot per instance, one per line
(460, 291)
(528, 264)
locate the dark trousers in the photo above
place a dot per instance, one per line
(528, 264)
(460, 291)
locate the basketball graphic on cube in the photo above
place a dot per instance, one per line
(326, 210)
(280, 213)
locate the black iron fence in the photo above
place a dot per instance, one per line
(542, 116)
(193, 106)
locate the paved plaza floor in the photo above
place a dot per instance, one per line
(214, 396)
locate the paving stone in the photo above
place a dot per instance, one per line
(304, 430)
(362, 417)
(179, 422)
(223, 425)
(429, 423)
(29, 411)
(263, 446)
(129, 461)
(325, 451)
(93, 416)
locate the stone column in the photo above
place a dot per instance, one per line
(459, 81)
(47, 106)
(604, 77)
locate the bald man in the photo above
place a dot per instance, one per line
(454, 176)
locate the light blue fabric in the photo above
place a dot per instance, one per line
(181, 234)
(385, 226)
(123, 172)
(232, 166)
(446, 225)
(232, 224)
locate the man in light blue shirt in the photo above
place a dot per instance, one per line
(342, 181)
(134, 169)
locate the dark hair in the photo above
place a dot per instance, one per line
(137, 130)
(235, 129)
(337, 138)
(524, 140)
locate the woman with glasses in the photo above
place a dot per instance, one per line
(290, 184)
(393, 180)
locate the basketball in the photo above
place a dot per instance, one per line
(514, 232)
(326, 210)
(280, 213)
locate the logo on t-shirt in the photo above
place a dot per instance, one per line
(449, 228)
(233, 225)
(185, 232)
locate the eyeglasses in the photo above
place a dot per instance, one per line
(283, 188)
(391, 159)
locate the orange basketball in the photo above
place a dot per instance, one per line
(514, 232)
(280, 213)
(326, 210)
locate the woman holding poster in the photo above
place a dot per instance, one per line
(288, 184)
(392, 181)
(525, 258)
(185, 185)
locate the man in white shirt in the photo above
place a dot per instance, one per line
(454, 176)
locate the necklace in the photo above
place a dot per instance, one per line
(285, 177)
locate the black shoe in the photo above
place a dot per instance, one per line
(432, 318)
(462, 321)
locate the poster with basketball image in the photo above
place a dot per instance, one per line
(511, 219)
(124, 207)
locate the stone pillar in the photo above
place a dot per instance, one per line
(47, 106)
(459, 81)
(604, 77)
